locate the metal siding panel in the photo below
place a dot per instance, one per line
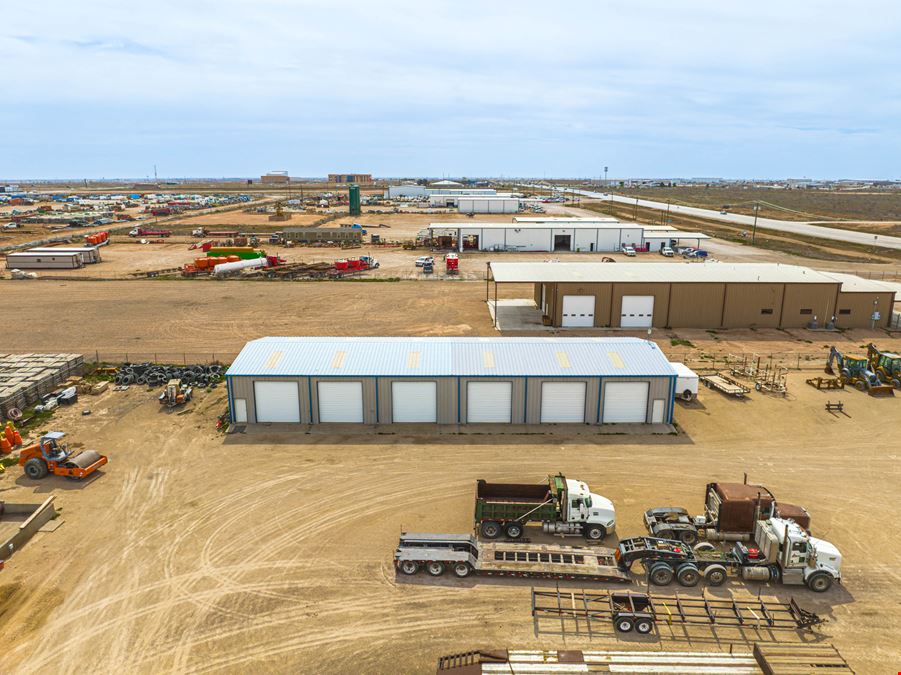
(696, 305)
(818, 297)
(744, 303)
(861, 306)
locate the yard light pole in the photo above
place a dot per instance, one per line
(754, 229)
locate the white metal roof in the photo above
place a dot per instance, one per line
(852, 283)
(450, 357)
(475, 225)
(562, 219)
(660, 272)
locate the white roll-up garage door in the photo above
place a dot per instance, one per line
(625, 402)
(489, 402)
(340, 401)
(276, 401)
(578, 310)
(414, 402)
(563, 402)
(637, 311)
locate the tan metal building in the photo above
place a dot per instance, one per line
(358, 178)
(696, 295)
(318, 380)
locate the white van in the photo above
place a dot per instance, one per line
(686, 382)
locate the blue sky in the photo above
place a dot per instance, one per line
(649, 88)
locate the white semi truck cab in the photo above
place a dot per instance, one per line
(583, 509)
(802, 559)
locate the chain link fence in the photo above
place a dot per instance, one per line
(701, 361)
(164, 358)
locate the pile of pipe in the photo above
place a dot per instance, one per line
(156, 375)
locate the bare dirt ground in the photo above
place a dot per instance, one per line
(271, 551)
(153, 319)
(863, 205)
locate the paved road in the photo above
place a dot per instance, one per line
(802, 228)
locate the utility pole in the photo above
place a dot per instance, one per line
(605, 177)
(754, 229)
(635, 211)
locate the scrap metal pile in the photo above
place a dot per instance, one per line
(155, 375)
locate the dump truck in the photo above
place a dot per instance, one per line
(561, 505)
(463, 555)
(49, 455)
(886, 365)
(856, 371)
(731, 512)
(781, 552)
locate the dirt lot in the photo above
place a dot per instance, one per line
(795, 204)
(164, 320)
(194, 552)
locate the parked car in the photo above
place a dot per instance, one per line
(695, 253)
(10, 226)
(685, 251)
(629, 250)
(667, 251)
(724, 213)
(424, 259)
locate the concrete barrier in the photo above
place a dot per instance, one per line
(40, 514)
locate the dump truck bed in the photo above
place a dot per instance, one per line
(511, 501)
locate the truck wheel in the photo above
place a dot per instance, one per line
(666, 534)
(819, 582)
(462, 569)
(661, 574)
(704, 546)
(36, 468)
(644, 626)
(594, 532)
(491, 529)
(688, 575)
(687, 395)
(409, 567)
(513, 530)
(716, 575)
(435, 568)
(623, 624)
(688, 537)
(775, 574)
(860, 385)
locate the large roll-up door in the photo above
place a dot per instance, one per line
(340, 401)
(276, 401)
(637, 311)
(563, 402)
(625, 402)
(489, 402)
(578, 311)
(414, 401)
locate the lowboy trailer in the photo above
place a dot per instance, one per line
(464, 555)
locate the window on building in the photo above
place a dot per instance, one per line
(766, 311)
(844, 311)
(806, 311)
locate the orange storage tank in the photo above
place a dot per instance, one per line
(233, 258)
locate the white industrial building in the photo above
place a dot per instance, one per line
(549, 234)
(413, 191)
(365, 380)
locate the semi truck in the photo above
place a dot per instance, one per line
(781, 552)
(149, 232)
(731, 512)
(562, 506)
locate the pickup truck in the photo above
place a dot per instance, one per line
(561, 505)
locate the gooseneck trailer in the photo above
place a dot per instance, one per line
(463, 555)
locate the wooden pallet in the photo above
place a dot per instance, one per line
(794, 659)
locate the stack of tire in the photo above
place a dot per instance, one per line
(156, 375)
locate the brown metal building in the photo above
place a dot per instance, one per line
(696, 295)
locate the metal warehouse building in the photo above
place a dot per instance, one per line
(558, 234)
(694, 295)
(313, 380)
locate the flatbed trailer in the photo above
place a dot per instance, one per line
(463, 555)
(724, 383)
(628, 610)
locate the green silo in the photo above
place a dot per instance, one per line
(355, 209)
